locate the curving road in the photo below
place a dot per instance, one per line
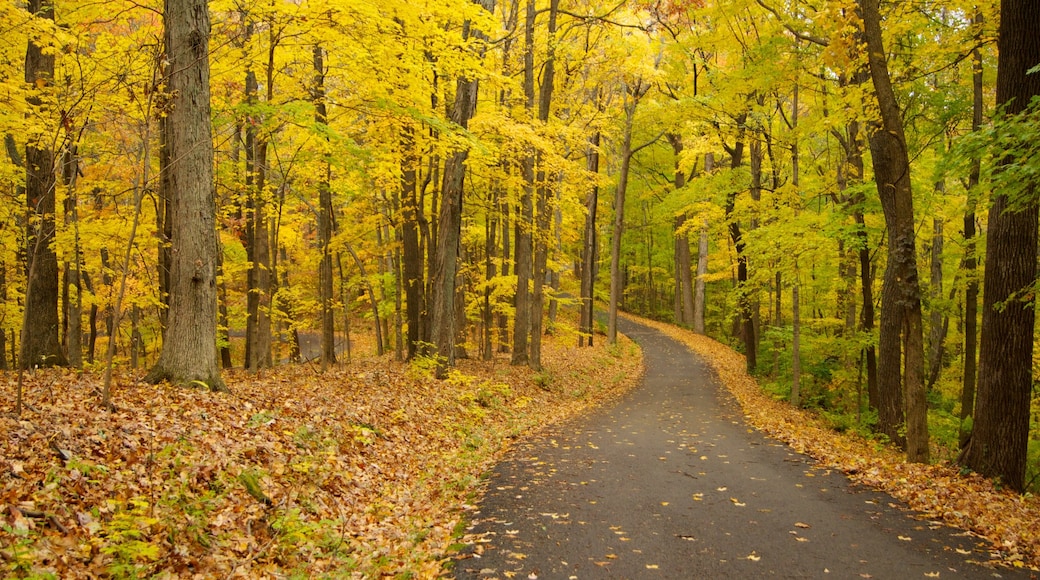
(670, 482)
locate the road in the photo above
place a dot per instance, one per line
(670, 482)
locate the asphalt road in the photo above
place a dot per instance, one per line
(670, 482)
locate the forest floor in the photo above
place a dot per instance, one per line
(363, 471)
(368, 470)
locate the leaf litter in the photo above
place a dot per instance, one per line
(364, 471)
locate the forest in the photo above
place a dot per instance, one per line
(843, 191)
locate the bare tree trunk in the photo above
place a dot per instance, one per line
(73, 273)
(444, 326)
(40, 345)
(702, 263)
(683, 274)
(189, 353)
(525, 217)
(1000, 437)
(938, 322)
(618, 230)
(971, 291)
(745, 319)
(545, 194)
(901, 318)
(589, 253)
(326, 222)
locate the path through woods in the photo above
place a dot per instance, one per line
(672, 483)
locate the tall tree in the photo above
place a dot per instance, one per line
(541, 246)
(901, 340)
(40, 344)
(1000, 437)
(971, 289)
(326, 217)
(683, 265)
(633, 93)
(444, 325)
(189, 351)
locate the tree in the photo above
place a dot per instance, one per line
(901, 318)
(189, 350)
(445, 268)
(1000, 436)
(40, 344)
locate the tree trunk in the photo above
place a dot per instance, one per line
(1000, 436)
(73, 272)
(901, 319)
(684, 268)
(796, 342)
(745, 319)
(971, 291)
(702, 263)
(189, 353)
(40, 342)
(525, 217)
(545, 210)
(443, 323)
(937, 322)
(589, 253)
(326, 221)
(616, 286)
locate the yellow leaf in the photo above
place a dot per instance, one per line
(651, 566)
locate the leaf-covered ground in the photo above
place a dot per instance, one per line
(1009, 522)
(363, 471)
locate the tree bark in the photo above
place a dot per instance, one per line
(589, 250)
(971, 290)
(901, 318)
(326, 221)
(444, 325)
(702, 263)
(544, 192)
(684, 269)
(1000, 436)
(525, 215)
(745, 319)
(189, 352)
(40, 341)
(938, 323)
(616, 286)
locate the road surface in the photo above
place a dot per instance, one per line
(670, 482)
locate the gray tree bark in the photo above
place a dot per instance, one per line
(189, 351)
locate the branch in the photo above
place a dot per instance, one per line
(800, 35)
(647, 144)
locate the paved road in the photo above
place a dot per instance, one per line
(672, 483)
